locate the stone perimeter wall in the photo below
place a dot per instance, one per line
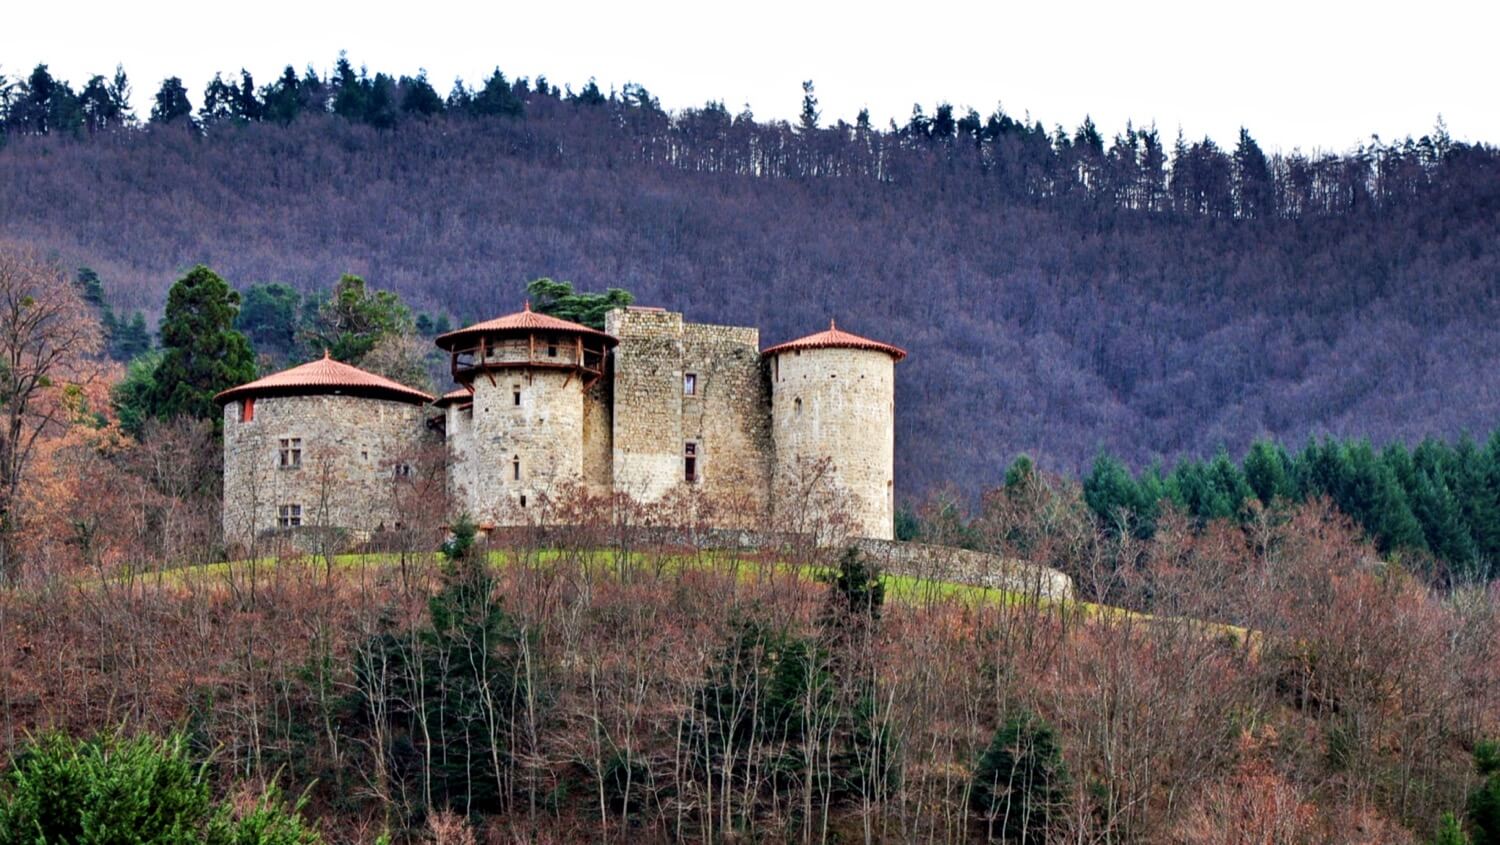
(350, 449)
(961, 566)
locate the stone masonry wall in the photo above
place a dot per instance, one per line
(349, 452)
(598, 439)
(839, 405)
(647, 401)
(544, 432)
(459, 435)
(727, 418)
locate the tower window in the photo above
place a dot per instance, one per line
(288, 516)
(523, 500)
(690, 462)
(515, 396)
(403, 470)
(247, 410)
(689, 384)
(515, 467)
(290, 455)
(797, 406)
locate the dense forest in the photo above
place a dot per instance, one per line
(1060, 290)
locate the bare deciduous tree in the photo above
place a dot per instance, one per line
(48, 342)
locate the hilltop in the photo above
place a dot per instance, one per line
(1059, 292)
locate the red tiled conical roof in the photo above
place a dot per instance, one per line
(835, 338)
(521, 321)
(463, 394)
(326, 376)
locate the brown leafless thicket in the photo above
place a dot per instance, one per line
(635, 683)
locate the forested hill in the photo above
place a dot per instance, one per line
(1059, 291)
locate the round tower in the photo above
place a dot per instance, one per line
(833, 425)
(315, 448)
(519, 435)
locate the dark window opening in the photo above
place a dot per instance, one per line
(690, 462)
(403, 470)
(289, 516)
(523, 500)
(551, 350)
(516, 398)
(290, 454)
(515, 467)
(797, 405)
(247, 410)
(689, 384)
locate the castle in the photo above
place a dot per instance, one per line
(648, 406)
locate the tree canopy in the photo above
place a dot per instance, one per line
(560, 300)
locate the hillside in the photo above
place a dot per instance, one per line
(553, 690)
(1056, 295)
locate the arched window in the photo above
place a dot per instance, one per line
(515, 467)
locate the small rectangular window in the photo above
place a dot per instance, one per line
(403, 470)
(515, 467)
(289, 516)
(290, 456)
(689, 384)
(516, 398)
(247, 410)
(551, 350)
(690, 462)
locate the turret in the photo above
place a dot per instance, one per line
(519, 436)
(316, 447)
(833, 408)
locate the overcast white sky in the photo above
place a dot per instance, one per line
(1314, 74)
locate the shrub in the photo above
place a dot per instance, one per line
(139, 789)
(1020, 781)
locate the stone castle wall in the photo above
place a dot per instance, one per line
(350, 450)
(647, 459)
(726, 418)
(838, 405)
(527, 419)
(729, 419)
(598, 439)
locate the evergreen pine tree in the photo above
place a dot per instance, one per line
(203, 353)
(171, 103)
(1020, 782)
(559, 300)
(128, 340)
(1267, 471)
(1450, 832)
(808, 122)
